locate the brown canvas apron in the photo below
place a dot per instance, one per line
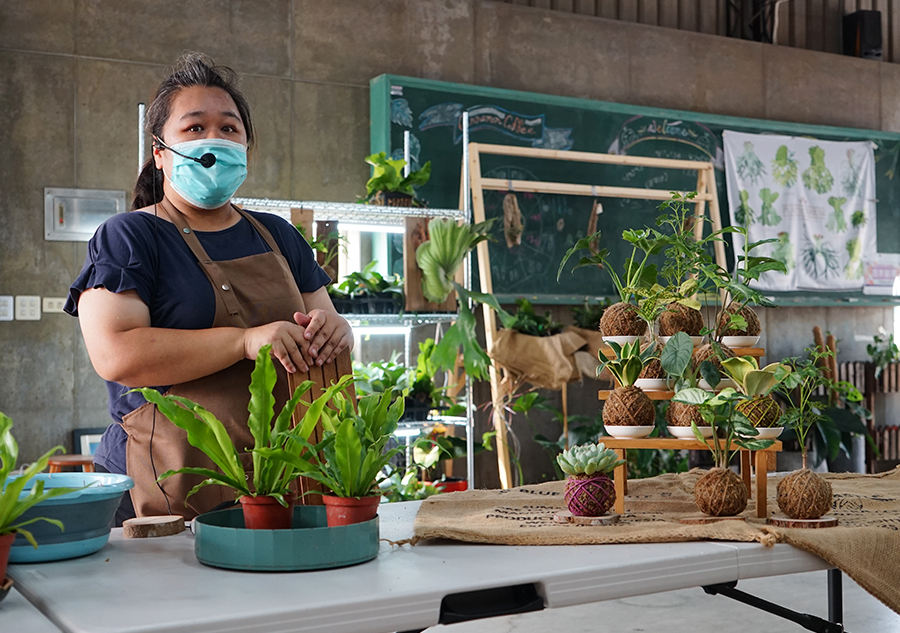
(250, 291)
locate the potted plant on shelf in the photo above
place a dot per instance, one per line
(621, 319)
(278, 457)
(389, 187)
(628, 412)
(368, 292)
(721, 492)
(589, 490)
(756, 385)
(13, 503)
(351, 456)
(676, 361)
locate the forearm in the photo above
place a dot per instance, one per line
(150, 356)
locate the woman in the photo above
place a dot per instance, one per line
(181, 293)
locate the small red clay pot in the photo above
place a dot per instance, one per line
(452, 485)
(6, 541)
(265, 513)
(350, 510)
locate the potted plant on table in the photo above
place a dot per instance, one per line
(278, 457)
(351, 456)
(589, 491)
(676, 359)
(368, 292)
(389, 187)
(756, 385)
(13, 504)
(721, 492)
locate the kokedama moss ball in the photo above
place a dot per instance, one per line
(653, 369)
(706, 352)
(682, 414)
(753, 326)
(804, 495)
(589, 495)
(680, 318)
(720, 493)
(762, 411)
(628, 406)
(621, 319)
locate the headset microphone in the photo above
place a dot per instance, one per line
(207, 160)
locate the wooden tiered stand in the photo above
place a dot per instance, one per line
(620, 475)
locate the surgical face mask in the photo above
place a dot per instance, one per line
(208, 187)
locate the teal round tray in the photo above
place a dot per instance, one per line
(221, 540)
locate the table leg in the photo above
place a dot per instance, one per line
(745, 469)
(762, 479)
(620, 478)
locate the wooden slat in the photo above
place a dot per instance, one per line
(589, 157)
(608, 9)
(628, 11)
(667, 13)
(798, 24)
(688, 15)
(673, 443)
(648, 12)
(884, 7)
(588, 7)
(832, 26)
(542, 4)
(815, 21)
(566, 6)
(599, 191)
(709, 17)
(892, 47)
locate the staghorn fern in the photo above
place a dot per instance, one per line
(784, 167)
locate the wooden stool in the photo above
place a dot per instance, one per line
(59, 461)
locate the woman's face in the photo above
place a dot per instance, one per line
(197, 113)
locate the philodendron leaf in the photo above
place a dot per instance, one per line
(710, 373)
(692, 395)
(739, 367)
(676, 355)
(759, 382)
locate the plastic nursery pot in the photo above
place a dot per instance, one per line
(265, 513)
(6, 541)
(350, 510)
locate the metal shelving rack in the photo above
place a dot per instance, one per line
(374, 215)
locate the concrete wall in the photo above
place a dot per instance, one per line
(73, 72)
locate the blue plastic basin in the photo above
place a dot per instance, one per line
(86, 514)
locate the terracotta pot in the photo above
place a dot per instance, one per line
(350, 510)
(6, 541)
(265, 513)
(452, 485)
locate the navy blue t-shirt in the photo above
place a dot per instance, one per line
(139, 251)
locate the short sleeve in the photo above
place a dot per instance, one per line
(119, 258)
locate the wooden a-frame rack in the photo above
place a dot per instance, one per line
(706, 195)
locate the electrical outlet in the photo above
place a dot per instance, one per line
(6, 308)
(28, 308)
(53, 304)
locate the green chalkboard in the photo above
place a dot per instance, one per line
(432, 112)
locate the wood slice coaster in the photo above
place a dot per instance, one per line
(565, 516)
(781, 520)
(149, 527)
(703, 519)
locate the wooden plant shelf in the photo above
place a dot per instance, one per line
(620, 474)
(603, 394)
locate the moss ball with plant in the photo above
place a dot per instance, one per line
(680, 318)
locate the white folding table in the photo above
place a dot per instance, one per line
(157, 584)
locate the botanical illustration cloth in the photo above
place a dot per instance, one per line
(815, 197)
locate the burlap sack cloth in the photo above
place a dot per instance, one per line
(866, 544)
(544, 361)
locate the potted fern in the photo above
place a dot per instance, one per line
(13, 502)
(589, 490)
(389, 187)
(278, 457)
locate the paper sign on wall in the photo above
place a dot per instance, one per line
(815, 198)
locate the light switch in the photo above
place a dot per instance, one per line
(6, 308)
(28, 308)
(53, 304)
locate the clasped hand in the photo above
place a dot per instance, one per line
(313, 339)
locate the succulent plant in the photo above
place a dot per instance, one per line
(588, 459)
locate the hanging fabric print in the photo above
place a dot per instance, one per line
(814, 198)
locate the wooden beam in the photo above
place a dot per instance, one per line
(589, 157)
(600, 191)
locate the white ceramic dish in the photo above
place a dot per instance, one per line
(653, 384)
(769, 433)
(696, 340)
(621, 340)
(628, 432)
(739, 341)
(725, 382)
(685, 432)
